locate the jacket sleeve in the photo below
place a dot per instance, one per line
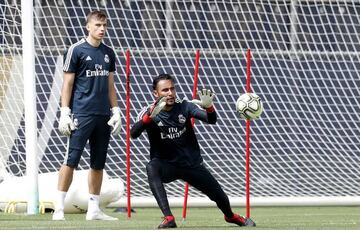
(137, 129)
(208, 115)
(139, 125)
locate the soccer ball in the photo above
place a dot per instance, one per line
(249, 106)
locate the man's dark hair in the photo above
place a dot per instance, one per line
(97, 14)
(163, 76)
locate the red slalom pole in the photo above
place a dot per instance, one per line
(248, 90)
(127, 72)
(196, 77)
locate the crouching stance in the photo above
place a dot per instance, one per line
(174, 149)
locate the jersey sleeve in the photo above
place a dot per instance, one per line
(113, 62)
(200, 114)
(142, 113)
(139, 125)
(70, 60)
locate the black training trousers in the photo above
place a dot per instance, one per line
(160, 171)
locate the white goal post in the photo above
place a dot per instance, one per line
(305, 61)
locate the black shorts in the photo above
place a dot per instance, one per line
(94, 129)
(198, 176)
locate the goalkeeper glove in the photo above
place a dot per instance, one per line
(158, 105)
(115, 121)
(66, 124)
(155, 109)
(206, 98)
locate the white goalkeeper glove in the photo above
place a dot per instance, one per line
(158, 105)
(66, 124)
(206, 98)
(115, 121)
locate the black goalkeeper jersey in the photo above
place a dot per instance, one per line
(92, 66)
(171, 134)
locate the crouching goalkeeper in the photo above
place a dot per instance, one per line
(174, 149)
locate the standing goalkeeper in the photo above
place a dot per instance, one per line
(174, 149)
(89, 111)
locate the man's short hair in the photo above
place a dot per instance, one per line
(96, 14)
(163, 76)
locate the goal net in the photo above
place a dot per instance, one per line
(304, 66)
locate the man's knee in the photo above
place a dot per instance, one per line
(97, 167)
(153, 168)
(72, 158)
(96, 171)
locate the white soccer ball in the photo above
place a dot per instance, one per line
(249, 106)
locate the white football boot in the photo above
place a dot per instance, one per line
(98, 215)
(58, 215)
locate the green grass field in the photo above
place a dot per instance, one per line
(199, 218)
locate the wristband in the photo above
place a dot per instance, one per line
(146, 119)
(210, 109)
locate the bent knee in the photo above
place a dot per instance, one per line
(153, 168)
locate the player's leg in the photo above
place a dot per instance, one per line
(65, 178)
(95, 181)
(202, 179)
(160, 172)
(74, 149)
(99, 141)
(64, 182)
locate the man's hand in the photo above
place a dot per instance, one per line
(158, 105)
(115, 121)
(206, 98)
(66, 124)
(154, 110)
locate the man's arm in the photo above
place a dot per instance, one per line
(112, 91)
(206, 102)
(207, 115)
(66, 124)
(137, 129)
(67, 87)
(142, 120)
(115, 120)
(146, 115)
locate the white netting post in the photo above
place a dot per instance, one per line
(247, 147)
(30, 106)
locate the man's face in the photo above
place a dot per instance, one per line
(97, 28)
(166, 88)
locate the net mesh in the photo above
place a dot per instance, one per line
(305, 61)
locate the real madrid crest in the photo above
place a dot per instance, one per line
(182, 119)
(106, 58)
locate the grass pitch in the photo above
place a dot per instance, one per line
(281, 218)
